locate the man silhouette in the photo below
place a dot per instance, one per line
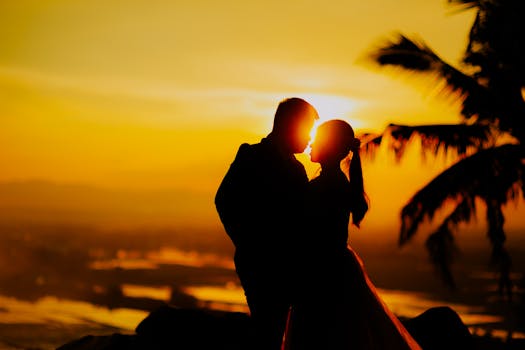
(259, 202)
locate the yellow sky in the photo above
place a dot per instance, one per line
(154, 94)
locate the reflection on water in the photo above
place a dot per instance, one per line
(126, 264)
(403, 303)
(411, 304)
(170, 255)
(137, 291)
(230, 293)
(131, 260)
(227, 298)
(112, 279)
(491, 276)
(50, 309)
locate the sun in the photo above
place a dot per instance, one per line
(332, 107)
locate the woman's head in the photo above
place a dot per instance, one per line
(333, 142)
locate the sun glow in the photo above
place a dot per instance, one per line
(332, 107)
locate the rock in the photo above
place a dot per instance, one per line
(440, 328)
(175, 328)
(107, 342)
(169, 327)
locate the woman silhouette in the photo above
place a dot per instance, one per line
(337, 305)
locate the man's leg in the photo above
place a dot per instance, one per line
(269, 316)
(268, 299)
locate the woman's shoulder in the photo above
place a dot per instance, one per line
(317, 184)
(329, 182)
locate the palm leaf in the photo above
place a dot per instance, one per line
(370, 143)
(460, 138)
(494, 174)
(495, 220)
(416, 56)
(407, 53)
(441, 245)
(465, 4)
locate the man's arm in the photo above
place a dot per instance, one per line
(231, 197)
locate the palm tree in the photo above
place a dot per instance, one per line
(488, 139)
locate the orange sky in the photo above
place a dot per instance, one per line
(157, 94)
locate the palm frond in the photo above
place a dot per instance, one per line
(441, 247)
(495, 220)
(406, 53)
(465, 210)
(416, 56)
(494, 173)
(465, 4)
(460, 138)
(370, 143)
(500, 257)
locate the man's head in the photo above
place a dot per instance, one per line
(293, 122)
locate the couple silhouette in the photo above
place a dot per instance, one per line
(305, 286)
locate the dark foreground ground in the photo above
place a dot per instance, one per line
(175, 328)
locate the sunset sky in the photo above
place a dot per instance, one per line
(155, 95)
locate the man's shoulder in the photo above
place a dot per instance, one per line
(251, 150)
(246, 150)
(264, 153)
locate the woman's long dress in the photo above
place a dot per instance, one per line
(338, 306)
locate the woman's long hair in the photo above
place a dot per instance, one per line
(358, 197)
